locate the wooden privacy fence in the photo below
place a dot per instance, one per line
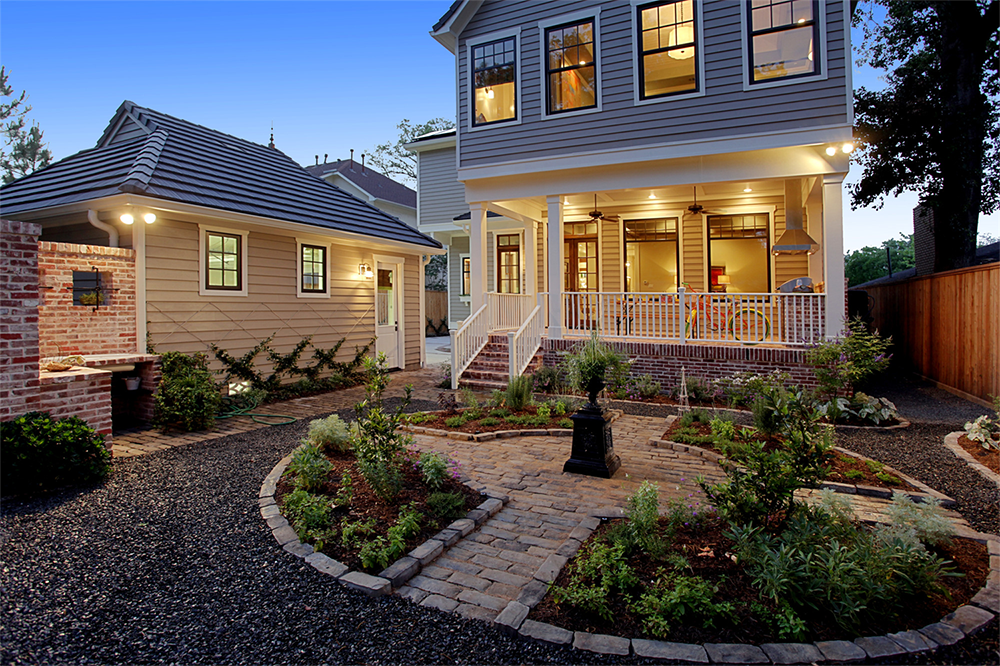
(436, 312)
(946, 326)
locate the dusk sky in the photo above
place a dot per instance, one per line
(330, 76)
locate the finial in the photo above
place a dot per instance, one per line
(271, 145)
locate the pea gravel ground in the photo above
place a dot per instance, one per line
(169, 562)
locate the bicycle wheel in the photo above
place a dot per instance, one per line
(694, 326)
(750, 326)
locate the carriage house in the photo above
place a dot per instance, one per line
(667, 173)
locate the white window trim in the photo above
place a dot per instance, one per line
(665, 214)
(636, 56)
(203, 290)
(575, 17)
(400, 318)
(485, 39)
(823, 61)
(740, 210)
(506, 231)
(299, 242)
(464, 298)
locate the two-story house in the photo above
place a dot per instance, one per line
(667, 172)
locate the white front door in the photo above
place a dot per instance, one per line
(387, 313)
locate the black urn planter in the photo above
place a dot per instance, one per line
(593, 451)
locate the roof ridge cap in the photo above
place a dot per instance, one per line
(139, 174)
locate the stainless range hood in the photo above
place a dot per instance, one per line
(795, 240)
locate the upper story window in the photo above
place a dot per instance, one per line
(494, 81)
(784, 39)
(667, 48)
(223, 261)
(571, 67)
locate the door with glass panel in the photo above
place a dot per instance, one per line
(387, 313)
(509, 263)
(581, 274)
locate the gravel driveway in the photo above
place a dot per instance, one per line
(169, 561)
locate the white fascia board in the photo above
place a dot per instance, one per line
(680, 149)
(430, 144)
(794, 162)
(214, 214)
(447, 36)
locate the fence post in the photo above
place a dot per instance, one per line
(680, 315)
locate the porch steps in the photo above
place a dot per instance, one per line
(489, 370)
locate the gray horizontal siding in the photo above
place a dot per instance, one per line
(442, 197)
(725, 110)
(459, 309)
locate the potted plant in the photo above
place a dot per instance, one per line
(593, 449)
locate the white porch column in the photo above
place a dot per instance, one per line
(530, 257)
(477, 256)
(139, 245)
(833, 253)
(554, 234)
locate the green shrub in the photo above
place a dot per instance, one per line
(469, 398)
(380, 552)
(743, 388)
(565, 423)
(527, 420)
(595, 361)
(843, 364)
(641, 529)
(500, 412)
(927, 519)
(187, 397)
(677, 598)
(544, 411)
(854, 474)
(598, 571)
(435, 468)
(723, 428)
(309, 467)
(330, 434)
(455, 421)
(695, 416)
(354, 533)
(549, 379)
(446, 506)
(377, 446)
(489, 422)
(308, 514)
(647, 386)
(345, 493)
(518, 395)
(40, 453)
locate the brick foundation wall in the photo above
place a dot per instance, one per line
(84, 393)
(66, 329)
(664, 361)
(18, 318)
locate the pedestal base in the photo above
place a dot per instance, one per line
(593, 448)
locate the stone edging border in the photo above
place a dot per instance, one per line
(497, 434)
(393, 576)
(951, 442)
(846, 488)
(964, 621)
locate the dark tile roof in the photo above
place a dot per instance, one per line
(149, 153)
(467, 215)
(436, 134)
(447, 15)
(371, 181)
(984, 255)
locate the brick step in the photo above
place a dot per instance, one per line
(487, 386)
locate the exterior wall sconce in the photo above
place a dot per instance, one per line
(365, 271)
(847, 149)
(127, 218)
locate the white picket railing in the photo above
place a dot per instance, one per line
(523, 343)
(769, 318)
(508, 311)
(468, 341)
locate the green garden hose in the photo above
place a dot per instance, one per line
(243, 405)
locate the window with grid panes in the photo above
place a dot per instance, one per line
(651, 255)
(223, 265)
(313, 268)
(466, 276)
(741, 246)
(581, 261)
(571, 67)
(668, 59)
(494, 82)
(509, 263)
(784, 39)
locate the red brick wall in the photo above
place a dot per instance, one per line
(66, 329)
(18, 317)
(664, 361)
(84, 392)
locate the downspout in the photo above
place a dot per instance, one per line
(424, 260)
(107, 228)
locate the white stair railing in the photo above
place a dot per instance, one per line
(508, 311)
(468, 341)
(523, 343)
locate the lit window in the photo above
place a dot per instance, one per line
(739, 247)
(784, 36)
(466, 276)
(509, 264)
(667, 51)
(571, 67)
(222, 266)
(493, 81)
(313, 268)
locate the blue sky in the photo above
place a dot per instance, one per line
(330, 75)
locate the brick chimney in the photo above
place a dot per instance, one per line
(923, 240)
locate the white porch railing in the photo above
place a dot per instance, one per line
(763, 318)
(508, 311)
(468, 341)
(523, 343)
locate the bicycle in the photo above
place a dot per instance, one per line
(748, 325)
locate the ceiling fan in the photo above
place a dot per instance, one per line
(697, 208)
(596, 215)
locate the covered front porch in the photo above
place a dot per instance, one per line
(728, 264)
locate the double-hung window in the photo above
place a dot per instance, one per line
(668, 51)
(466, 275)
(494, 81)
(784, 39)
(571, 67)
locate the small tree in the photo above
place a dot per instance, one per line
(22, 151)
(392, 159)
(870, 263)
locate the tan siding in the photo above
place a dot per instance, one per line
(693, 251)
(611, 261)
(540, 265)
(181, 319)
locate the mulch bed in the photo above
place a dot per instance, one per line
(476, 426)
(706, 550)
(840, 464)
(988, 457)
(366, 505)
